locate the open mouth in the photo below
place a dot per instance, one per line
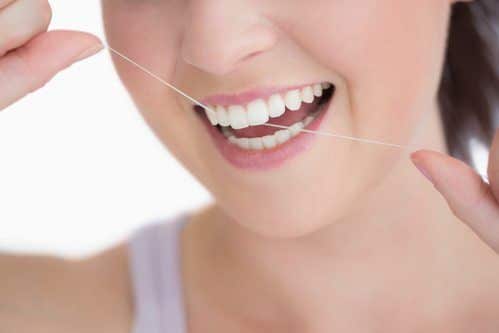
(243, 125)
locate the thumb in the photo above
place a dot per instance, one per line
(31, 66)
(468, 196)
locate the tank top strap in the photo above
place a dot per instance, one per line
(154, 263)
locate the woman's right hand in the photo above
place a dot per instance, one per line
(29, 55)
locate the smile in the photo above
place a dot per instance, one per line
(238, 122)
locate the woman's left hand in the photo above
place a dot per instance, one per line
(471, 199)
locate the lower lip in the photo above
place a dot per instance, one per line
(266, 158)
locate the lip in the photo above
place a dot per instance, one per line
(250, 95)
(267, 158)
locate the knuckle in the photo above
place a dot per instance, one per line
(13, 34)
(45, 13)
(36, 19)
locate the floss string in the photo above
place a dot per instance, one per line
(339, 136)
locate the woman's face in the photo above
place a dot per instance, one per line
(245, 58)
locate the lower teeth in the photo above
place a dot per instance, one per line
(269, 141)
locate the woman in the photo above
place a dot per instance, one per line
(308, 233)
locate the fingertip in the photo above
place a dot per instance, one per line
(442, 170)
(83, 36)
(418, 158)
(96, 48)
(91, 40)
(415, 155)
(425, 157)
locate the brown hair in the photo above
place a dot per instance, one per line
(469, 90)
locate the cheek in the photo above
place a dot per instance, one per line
(389, 53)
(398, 58)
(148, 33)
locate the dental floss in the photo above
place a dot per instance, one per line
(339, 136)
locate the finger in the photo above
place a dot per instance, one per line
(21, 21)
(5, 3)
(31, 66)
(493, 169)
(469, 198)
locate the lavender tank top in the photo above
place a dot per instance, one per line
(156, 279)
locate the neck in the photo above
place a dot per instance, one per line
(395, 236)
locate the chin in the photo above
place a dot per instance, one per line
(295, 214)
(274, 224)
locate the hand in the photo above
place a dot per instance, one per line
(29, 55)
(471, 199)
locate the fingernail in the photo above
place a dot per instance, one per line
(89, 52)
(422, 169)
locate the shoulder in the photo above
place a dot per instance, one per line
(52, 294)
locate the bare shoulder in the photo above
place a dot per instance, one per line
(49, 294)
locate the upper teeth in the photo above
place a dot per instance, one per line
(259, 111)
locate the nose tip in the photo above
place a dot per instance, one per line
(226, 46)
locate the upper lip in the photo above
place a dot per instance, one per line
(247, 96)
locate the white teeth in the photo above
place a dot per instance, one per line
(293, 100)
(276, 106)
(282, 136)
(269, 141)
(307, 94)
(258, 113)
(296, 128)
(256, 143)
(212, 115)
(317, 90)
(226, 132)
(243, 143)
(237, 116)
(308, 120)
(222, 116)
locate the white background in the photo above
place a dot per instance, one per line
(79, 169)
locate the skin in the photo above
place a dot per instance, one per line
(370, 249)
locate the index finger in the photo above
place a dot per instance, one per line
(5, 3)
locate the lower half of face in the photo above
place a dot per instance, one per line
(365, 69)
